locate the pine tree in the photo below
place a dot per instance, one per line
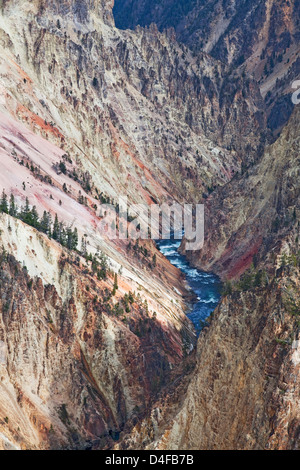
(13, 210)
(72, 238)
(69, 234)
(55, 232)
(25, 213)
(45, 224)
(26, 209)
(62, 235)
(95, 264)
(3, 203)
(103, 262)
(83, 246)
(75, 239)
(35, 221)
(227, 288)
(116, 287)
(80, 198)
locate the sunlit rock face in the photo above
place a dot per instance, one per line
(72, 10)
(73, 369)
(72, 378)
(135, 99)
(131, 113)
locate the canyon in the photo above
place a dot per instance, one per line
(243, 393)
(259, 36)
(93, 359)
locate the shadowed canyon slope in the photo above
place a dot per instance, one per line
(252, 214)
(262, 36)
(74, 365)
(89, 113)
(243, 393)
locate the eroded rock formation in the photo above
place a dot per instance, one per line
(262, 36)
(243, 393)
(88, 113)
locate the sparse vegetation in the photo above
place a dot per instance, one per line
(66, 236)
(250, 280)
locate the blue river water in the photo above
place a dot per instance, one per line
(206, 286)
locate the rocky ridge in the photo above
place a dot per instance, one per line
(131, 113)
(76, 361)
(262, 36)
(105, 90)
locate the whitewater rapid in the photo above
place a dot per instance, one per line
(206, 286)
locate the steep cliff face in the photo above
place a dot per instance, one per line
(254, 212)
(243, 393)
(230, 30)
(78, 359)
(75, 365)
(261, 35)
(74, 11)
(125, 101)
(88, 113)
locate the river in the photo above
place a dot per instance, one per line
(206, 286)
